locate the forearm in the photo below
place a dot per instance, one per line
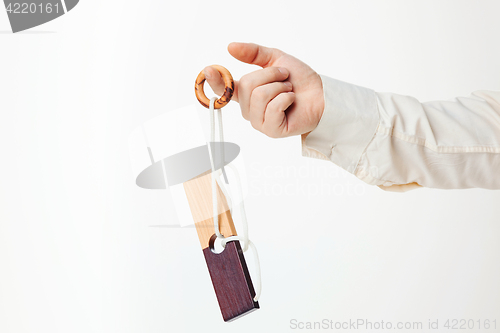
(392, 140)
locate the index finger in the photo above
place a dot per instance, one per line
(214, 79)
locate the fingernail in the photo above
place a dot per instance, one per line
(207, 75)
(284, 71)
(288, 84)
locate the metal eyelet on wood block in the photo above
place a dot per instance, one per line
(228, 91)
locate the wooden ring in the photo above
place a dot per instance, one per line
(228, 91)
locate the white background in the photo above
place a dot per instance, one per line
(77, 250)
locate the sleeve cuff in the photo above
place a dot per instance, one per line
(347, 126)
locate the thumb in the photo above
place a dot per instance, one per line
(254, 54)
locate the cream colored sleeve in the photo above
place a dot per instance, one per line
(399, 143)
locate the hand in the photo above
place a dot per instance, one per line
(284, 98)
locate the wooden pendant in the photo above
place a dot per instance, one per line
(228, 88)
(228, 270)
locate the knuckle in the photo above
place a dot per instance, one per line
(245, 83)
(255, 125)
(269, 131)
(272, 107)
(277, 51)
(259, 93)
(272, 133)
(244, 114)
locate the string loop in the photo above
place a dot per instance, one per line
(243, 238)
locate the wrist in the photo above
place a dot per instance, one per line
(318, 102)
(347, 125)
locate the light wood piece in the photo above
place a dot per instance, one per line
(199, 195)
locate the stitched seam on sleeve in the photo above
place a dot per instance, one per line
(373, 136)
(369, 179)
(365, 176)
(439, 149)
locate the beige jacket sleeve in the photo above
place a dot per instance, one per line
(399, 143)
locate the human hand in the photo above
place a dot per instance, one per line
(284, 98)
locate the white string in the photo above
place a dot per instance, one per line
(243, 238)
(214, 184)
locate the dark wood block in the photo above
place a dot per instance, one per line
(231, 281)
